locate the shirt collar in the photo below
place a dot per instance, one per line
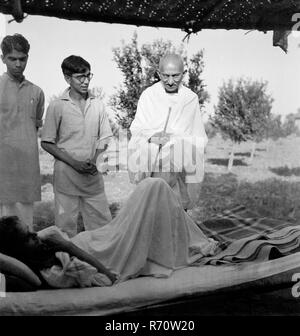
(66, 95)
(24, 81)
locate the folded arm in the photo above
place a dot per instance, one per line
(59, 244)
(82, 167)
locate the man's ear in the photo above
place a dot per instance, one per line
(2, 58)
(67, 79)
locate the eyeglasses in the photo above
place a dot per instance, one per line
(82, 78)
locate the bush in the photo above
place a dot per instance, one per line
(210, 129)
(138, 66)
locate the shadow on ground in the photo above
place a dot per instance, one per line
(246, 154)
(224, 162)
(286, 171)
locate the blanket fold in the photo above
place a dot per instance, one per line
(244, 237)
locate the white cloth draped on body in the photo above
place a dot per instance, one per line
(152, 235)
(184, 152)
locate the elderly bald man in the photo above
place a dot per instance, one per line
(168, 135)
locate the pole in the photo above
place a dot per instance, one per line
(160, 146)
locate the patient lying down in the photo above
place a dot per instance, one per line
(151, 235)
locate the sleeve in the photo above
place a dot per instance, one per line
(40, 109)
(105, 132)
(52, 123)
(141, 128)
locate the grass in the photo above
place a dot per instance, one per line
(269, 198)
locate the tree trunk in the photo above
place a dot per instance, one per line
(252, 152)
(231, 157)
(268, 145)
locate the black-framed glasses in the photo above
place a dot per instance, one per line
(82, 78)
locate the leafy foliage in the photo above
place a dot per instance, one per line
(195, 82)
(278, 129)
(274, 128)
(210, 130)
(243, 111)
(289, 126)
(138, 67)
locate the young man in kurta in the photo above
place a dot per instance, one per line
(168, 135)
(21, 112)
(76, 131)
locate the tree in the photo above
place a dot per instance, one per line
(274, 129)
(138, 67)
(97, 91)
(289, 126)
(195, 82)
(210, 129)
(243, 112)
(278, 129)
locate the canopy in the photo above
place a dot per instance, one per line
(188, 15)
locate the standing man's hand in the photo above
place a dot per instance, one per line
(160, 138)
(82, 167)
(92, 167)
(85, 167)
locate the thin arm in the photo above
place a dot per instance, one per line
(81, 167)
(62, 245)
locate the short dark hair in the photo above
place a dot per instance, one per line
(74, 64)
(12, 244)
(9, 233)
(14, 42)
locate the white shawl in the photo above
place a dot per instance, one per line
(185, 150)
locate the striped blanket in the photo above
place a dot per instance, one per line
(244, 236)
